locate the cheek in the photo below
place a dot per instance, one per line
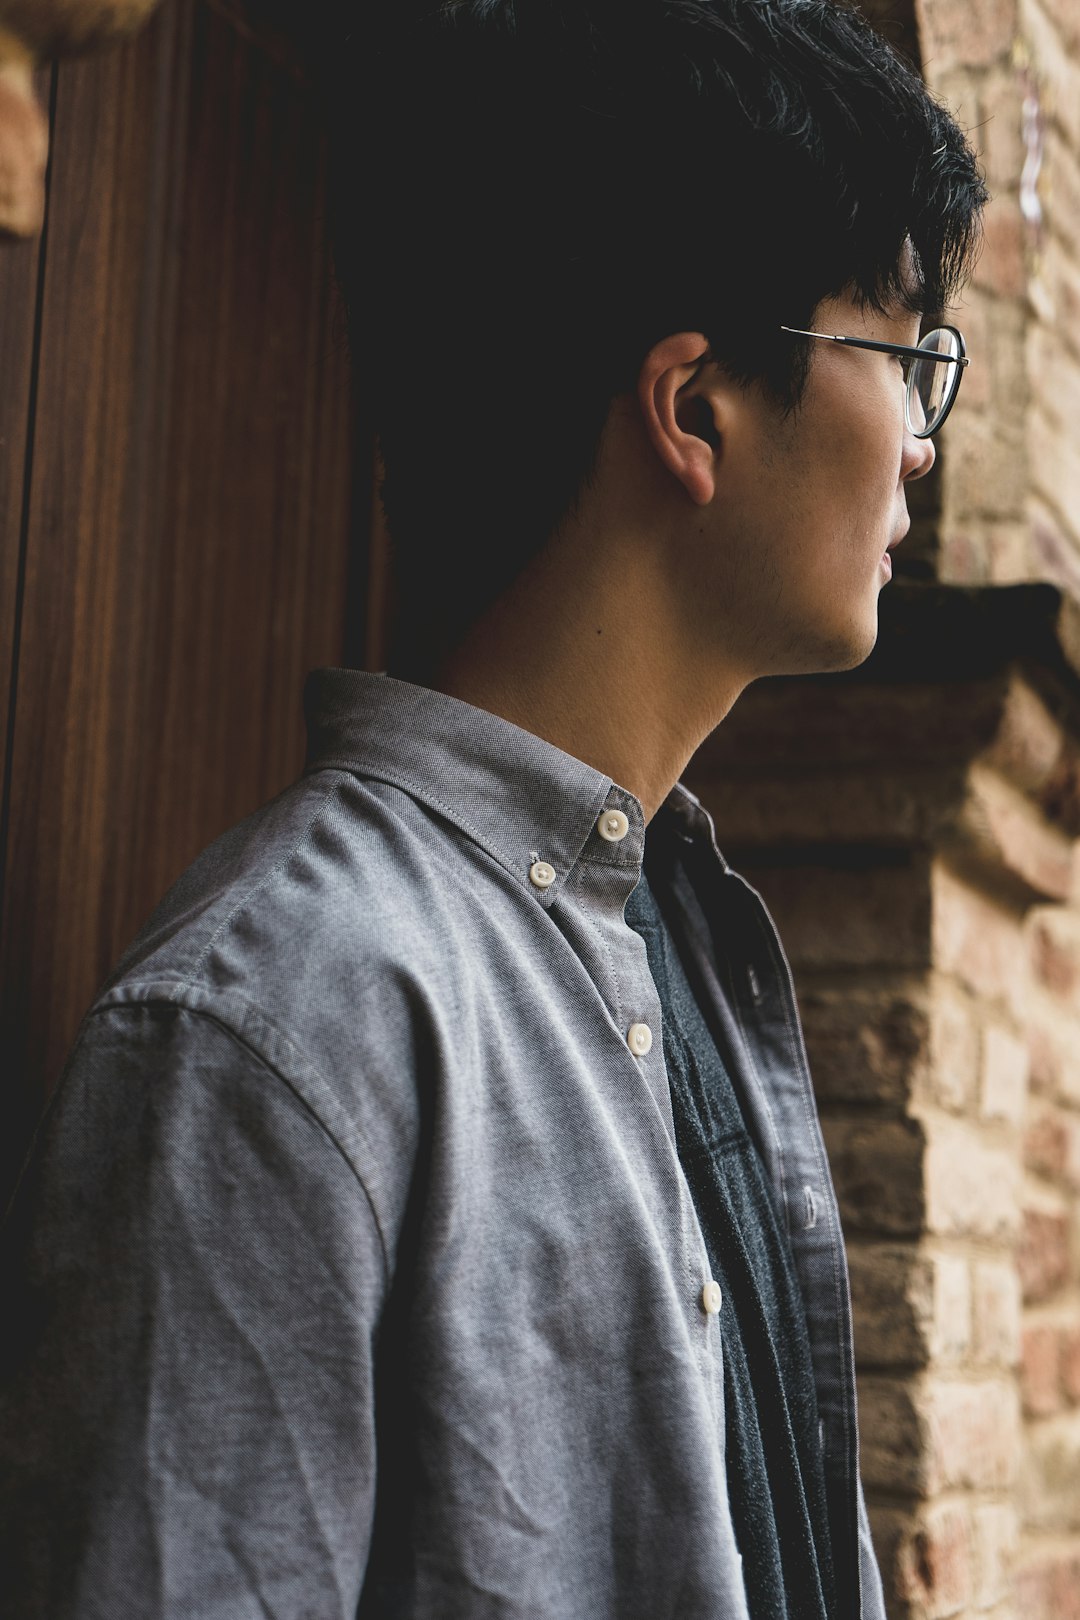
(872, 474)
(855, 471)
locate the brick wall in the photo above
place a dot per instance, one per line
(913, 826)
(1011, 510)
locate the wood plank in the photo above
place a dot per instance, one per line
(21, 265)
(20, 270)
(191, 507)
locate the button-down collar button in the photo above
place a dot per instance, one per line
(711, 1298)
(613, 826)
(639, 1039)
(542, 874)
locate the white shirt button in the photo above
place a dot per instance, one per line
(542, 874)
(639, 1039)
(613, 826)
(711, 1298)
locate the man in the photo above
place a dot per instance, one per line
(433, 1218)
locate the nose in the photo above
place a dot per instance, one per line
(919, 456)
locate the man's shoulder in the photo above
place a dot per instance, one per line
(313, 908)
(282, 981)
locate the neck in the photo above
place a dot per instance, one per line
(599, 668)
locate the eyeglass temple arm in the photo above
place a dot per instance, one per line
(882, 348)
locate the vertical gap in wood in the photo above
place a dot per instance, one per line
(153, 389)
(24, 516)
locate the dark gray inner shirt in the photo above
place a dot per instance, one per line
(774, 1463)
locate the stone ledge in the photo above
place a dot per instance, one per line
(961, 735)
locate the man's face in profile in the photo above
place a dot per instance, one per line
(792, 552)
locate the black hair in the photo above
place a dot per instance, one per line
(526, 195)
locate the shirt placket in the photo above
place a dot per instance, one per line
(608, 870)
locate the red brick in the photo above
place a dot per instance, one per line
(935, 1568)
(999, 142)
(980, 392)
(1002, 266)
(1064, 278)
(1046, 1146)
(1042, 1255)
(951, 1335)
(893, 1436)
(1028, 748)
(1055, 72)
(877, 1167)
(1008, 553)
(1052, 1475)
(1011, 372)
(988, 469)
(1004, 1076)
(865, 1045)
(996, 1531)
(974, 1435)
(1009, 831)
(892, 1297)
(951, 1077)
(1057, 394)
(1069, 1072)
(1070, 1362)
(1055, 1064)
(1055, 955)
(1066, 19)
(1070, 1127)
(1040, 1370)
(1061, 194)
(962, 557)
(979, 941)
(1053, 552)
(972, 1185)
(1045, 1060)
(995, 1306)
(1049, 1589)
(969, 36)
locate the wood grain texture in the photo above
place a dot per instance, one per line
(20, 267)
(191, 502)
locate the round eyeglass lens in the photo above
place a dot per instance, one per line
(932, 384)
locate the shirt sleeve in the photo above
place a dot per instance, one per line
(191, 1280)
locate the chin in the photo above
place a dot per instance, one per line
(845, 648)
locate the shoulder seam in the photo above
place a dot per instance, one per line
(205, 1015)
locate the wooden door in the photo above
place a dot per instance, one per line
(181, 533)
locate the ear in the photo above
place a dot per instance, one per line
(682, 406)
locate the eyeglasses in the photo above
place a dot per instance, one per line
(931, 374)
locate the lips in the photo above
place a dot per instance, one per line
(892, 545)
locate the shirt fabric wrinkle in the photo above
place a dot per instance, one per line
(388, 1045)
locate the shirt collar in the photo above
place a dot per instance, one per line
(519, 797)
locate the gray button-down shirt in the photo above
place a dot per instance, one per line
(354, 1270)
